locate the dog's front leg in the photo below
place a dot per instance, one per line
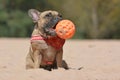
(37, 59)
(59, 57)
(29, 61)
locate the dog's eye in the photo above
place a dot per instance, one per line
(48, 15)
(59, 15)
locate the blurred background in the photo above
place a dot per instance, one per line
(94, 19)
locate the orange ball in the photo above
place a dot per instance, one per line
(65, 29)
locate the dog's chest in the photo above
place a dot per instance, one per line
(49, 53)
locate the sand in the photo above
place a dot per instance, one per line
(99, 59)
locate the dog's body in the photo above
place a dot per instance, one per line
(43, 52)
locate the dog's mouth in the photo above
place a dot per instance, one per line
(54, 27)
(50, 31)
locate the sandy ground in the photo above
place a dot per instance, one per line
(100, 60)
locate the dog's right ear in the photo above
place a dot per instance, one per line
(34, 14)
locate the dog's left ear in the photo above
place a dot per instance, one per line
(34, 14)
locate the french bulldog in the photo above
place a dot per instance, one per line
(46, 48)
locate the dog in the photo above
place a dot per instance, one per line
(46, 48)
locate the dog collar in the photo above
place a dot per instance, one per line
(55, 42)
(36, 38)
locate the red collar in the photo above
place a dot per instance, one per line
(55, 42)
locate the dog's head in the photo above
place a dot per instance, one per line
(46, 20)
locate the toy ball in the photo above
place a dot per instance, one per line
(65, 29)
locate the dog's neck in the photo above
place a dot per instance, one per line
(56, 42)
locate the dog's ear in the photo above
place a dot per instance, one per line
(34, 14)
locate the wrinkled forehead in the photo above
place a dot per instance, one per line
(49, 12)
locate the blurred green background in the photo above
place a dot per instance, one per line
(94, 19)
